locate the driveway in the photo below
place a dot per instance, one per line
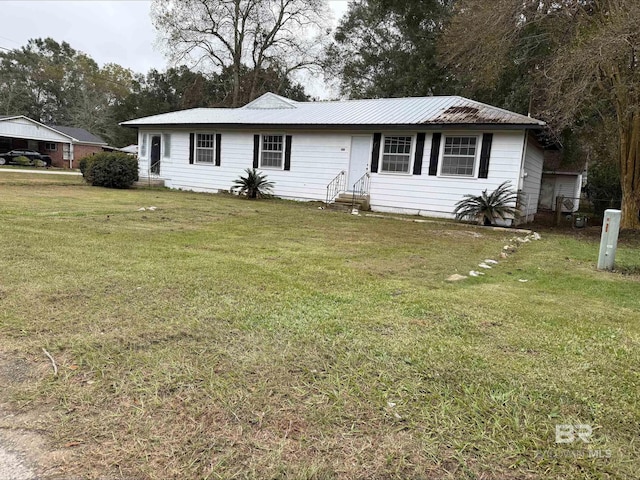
(12, 465)
(45, 172)
(25, 451)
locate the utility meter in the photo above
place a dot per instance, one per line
(609, 239)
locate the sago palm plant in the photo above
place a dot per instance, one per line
(254, 185)
(489, 207)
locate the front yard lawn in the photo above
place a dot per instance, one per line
(216, 337)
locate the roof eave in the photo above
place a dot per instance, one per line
(99, 144)
(42, 125)
(561, 172)
(337, 126)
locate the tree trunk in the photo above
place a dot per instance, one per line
(257, 69)
(630, 173)
(237, 54)
(630, 212)
(236, 86)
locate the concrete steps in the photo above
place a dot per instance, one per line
(345, 201)
(149, 182)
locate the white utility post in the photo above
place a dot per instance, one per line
(609, 239)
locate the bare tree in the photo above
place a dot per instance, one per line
(599, 71)
(503, 46)
(243, 34)
(576, 60)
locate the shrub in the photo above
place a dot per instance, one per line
(22, 160)
(254, 185)
(603, 187)
(85, 164)
(110, 169)
(487, 208)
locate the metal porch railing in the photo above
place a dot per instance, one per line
(361, 188)
(336, 186)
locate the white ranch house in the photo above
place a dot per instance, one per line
(408, 155)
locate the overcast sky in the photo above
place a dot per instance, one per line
(117, 31)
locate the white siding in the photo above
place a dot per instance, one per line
(143, 161)
(569, 186)
(236, 154)
(437, 195)
(532, 173)
(23, 128)
(317, 157)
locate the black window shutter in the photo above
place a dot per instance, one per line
(256, 150)
(287, 153)
(375, 153)
(192, 137)
(485, 153)
(435, 153)
(417, 163)
(218, 147)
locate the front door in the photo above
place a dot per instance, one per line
(359, 160)
(154, 165)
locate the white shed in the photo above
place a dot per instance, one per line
(566, 184)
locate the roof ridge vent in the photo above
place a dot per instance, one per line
(270, 101)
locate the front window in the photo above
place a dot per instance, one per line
(66, 151)
(143, 146)
(459, 156)
(51, 147)
(272, 150)
(166, 143)
(205, 148)
(396, 155)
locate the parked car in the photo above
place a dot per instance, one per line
(35, 158)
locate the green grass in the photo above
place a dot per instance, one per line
(222, 338)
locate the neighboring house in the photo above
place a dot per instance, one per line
(65, 145)
(84, 144)
(409, 155)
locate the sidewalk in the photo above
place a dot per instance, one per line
(45, 172)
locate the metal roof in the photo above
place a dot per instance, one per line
(79, 134)
(272, 110)
(130, 149)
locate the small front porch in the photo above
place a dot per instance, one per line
(342, 195)
(150, 164)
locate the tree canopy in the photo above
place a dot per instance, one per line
(387, 48)
(498, 50)
(55, 84)
(573, 63)
(244, 38)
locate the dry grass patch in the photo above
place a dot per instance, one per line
(223, 338)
